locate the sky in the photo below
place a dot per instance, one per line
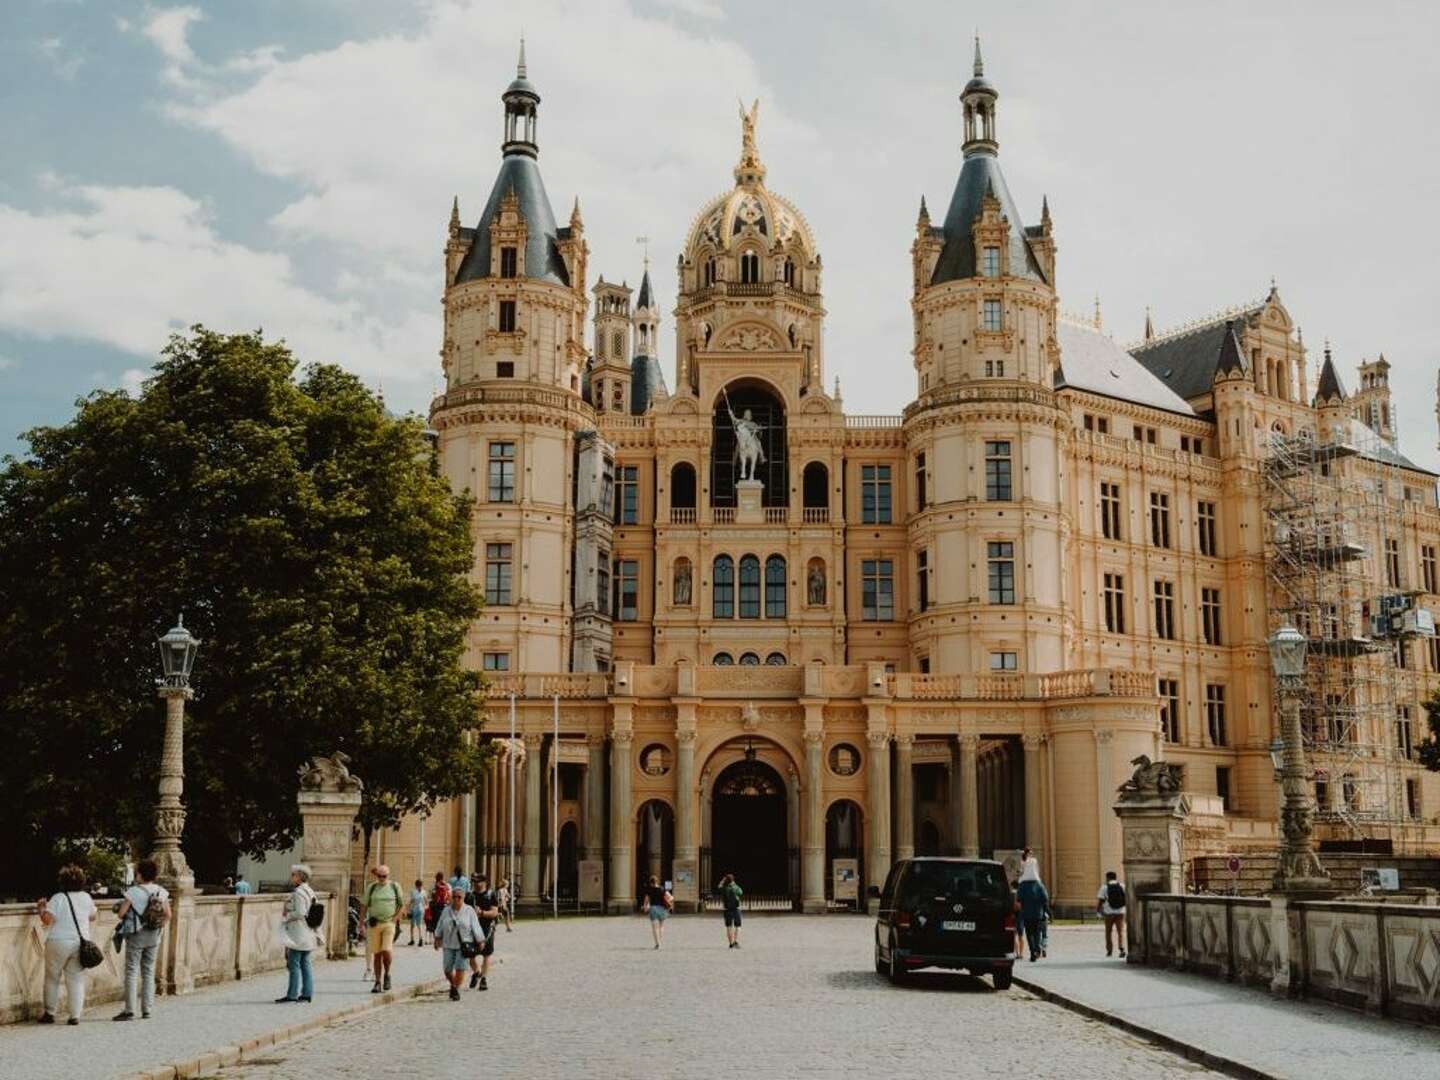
(290, 164)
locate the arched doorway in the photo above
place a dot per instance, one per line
(927, 838)
(748, 832)
(845, 841)
(654, 844)
(568, 864)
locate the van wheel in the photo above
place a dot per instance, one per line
(880, 968)
(896, 970)
(1002, 979)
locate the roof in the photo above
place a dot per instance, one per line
(1373, 447)
(1186, 361)
(645, 298)
(1095, 363)
(1329, 385)
(647, 384)
(981, 173)
(520, 173)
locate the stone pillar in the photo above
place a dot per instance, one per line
(622, 839)
(329, 800)
(812, 890)
(1034, 826)
(970, 795)
(1152, 814)
(686, 847)
(954, 800)
(174, 975)
(530, 862)
(904, 796)
(594, 819)
(877, 817)
(1106, 834)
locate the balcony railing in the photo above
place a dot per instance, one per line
(816, 515)
(682, 515)
(777, 515)
(723, 515)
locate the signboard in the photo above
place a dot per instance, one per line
(846, 874)
(683, 888)
(1383, 878)
(592, 881)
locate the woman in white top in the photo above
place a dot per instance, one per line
(457, 925)
(142, 946)
(300, 940)
(68, 914)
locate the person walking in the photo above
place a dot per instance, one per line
(504, 900)
(151, 906)
(300, 938)
(1028, 884)
(458, 933)
(439, 898)
(242, 887)
(486, 906)
(1019, 919)
(1035, 911)
(417, 914)
(657, 904)
(383, 909)
(68, 914)
(1110, 904)
(730, 894)
(458, 880)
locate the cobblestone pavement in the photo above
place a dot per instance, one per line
(188, 1025)
(591, 998)
(1307, 1040)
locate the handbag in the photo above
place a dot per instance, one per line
(90, 954)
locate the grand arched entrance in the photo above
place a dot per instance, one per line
(749, 833)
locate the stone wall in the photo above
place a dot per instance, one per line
(228, 937)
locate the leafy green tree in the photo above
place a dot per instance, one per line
(1428, 749)
(310, 543)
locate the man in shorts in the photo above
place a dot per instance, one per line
(487, 907)
(730, 894)
(381, 911)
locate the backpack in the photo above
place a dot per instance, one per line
(157, 913)
(315, 914)
(1115, 895)
(440, 895)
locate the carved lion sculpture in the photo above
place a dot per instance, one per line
(1151, 778)
(329, 774)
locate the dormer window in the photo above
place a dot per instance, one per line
(749, 268)
(508, 262)
(990, 262)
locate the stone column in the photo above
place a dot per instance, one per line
(174, 975)
(594, 820)
(1104, 785)
(970, 795)
(812, 891)
(1034, 826)
(1152, 814)
(622, 879)
(904, 796)
(329, 800)
(877, 817)
(687, 850)
(955, 797)
(530, 881)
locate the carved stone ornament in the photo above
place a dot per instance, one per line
(750, 716)
(750, 339)
(1150, 778)
(329, 774)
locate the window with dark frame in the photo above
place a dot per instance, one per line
(497, 574)
(627, 503)
(922, 578)
(502, 472)
(990, 262)
(1215, 714)
(749, 587)
(997, 472)
(1114, 593)
(627, 590)
(920, 493)
(877, 590)
(1165, 610)
(1004, 661)
(1001, 557)
(1110, 526)
(722, 581)
(1205, 527)
(1159, 519)
(993, 316)
(875, 504)
(508, 262)
(1169, 692)
(1210, 616)
(775, 587)
(507, 316)
(1222, 785)
(495, 661)
(1427, 567)
(1404, 733)
(602, 582)
(1392, 563)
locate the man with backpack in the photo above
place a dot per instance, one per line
(1110, 904)
(383, 908)
(147, 907)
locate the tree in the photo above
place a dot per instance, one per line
(310, 543)
(1428, 749)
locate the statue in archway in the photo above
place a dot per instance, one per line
(816, 584)
(748, 451)
(682, 583)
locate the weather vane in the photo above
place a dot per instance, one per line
(645, 242)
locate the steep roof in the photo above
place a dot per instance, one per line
(647, 384)
(1329, 385)
(645, 299)
(1186, 361)
(1371, 446)
(521, 174)
(981, 174)
(1091, 361)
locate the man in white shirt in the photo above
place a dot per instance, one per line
(142, 945)
(1110, 904)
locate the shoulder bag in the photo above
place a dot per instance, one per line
(90, 954)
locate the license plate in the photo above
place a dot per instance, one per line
(955, 924)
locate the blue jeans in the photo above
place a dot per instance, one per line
(302, 984)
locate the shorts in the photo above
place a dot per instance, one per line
(454, 961)
(382, 937)
(659, 913)
(417, 918)
(487, 947)
(732, 918)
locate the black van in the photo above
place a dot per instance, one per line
(950, 913)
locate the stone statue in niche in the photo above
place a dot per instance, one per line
(682, 583)
(815, 585)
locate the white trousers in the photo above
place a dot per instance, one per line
(62, 960)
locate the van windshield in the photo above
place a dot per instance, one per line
(927, 881)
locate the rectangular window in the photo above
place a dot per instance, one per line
(1392, 563)
(1165, 610)
(1427, 567)
(1210, 616)
(497, 574)
(1215, 714)
(922, 579)
(992, 316)
(1159, 519)
(1145, 434)
(877, 590)
(997, 472)
(875, 494)
(1404, 735)
(627, 590)
(1110, 511)
(508, 262)
(507, 316)
(1115, 603)
(995, 369)
(1322, 795)
(1205, 527)
(504, 369)
(1002, 571)
(924, 665)
(1222, 785)
(1434, 644)
(496, 661)
(990, 262)
(1412, 798)
(502, 472)
(627, 505)
(602, 582)
(1004, 661)
(920, 493)
(1169, 691)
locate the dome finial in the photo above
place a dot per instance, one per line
(979, 61)
(520, 66)
(749, 170)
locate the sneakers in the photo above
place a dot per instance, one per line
(483, 984)
(474, 979)
(375, 989)
(454, 994)
(387, 982)
(286, 1001)
(1122, 954)
(45, 1018)
(126, 1015)
(73, 1021)
(306, 1000)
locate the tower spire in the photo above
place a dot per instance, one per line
(979, 98)
(520, 66)
(1149, 325)
(979, 61)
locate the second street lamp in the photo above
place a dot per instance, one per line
(1297, 868)
(177, 658)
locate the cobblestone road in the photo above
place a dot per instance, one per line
(591, 998)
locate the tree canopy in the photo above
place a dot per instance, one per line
(312, 547)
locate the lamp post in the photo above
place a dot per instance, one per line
(177, 657)
(1297, 868)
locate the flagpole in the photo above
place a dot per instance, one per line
(555, 814)
(510, 768)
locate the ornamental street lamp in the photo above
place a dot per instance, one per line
(177, 657)
(1297, 869)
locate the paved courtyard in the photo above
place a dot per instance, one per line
(591, 998)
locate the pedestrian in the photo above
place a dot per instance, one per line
(439, 897)
(458, 933)
(68, 914)
(150, 904)
(657, 904)
(1019, 919)
(1035, 910)
(730, 894)
(1029, 881)
(458, 880)
(384, 907)
(417, 914)
(486, 906)
(242, 887)
(299, 936)
(1110, 904)
(505, 902)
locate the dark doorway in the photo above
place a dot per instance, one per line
(568, 865)
(748, 829)
(655, 844)
(682, 486)
(816, 485)
(766, 410)
(927, 839)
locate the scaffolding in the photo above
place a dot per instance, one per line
(1334, 534)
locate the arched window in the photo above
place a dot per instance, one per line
(790, 273)
(723, 659)
(749, 659)
(682, 485)
(749, 268)
(775, 659)
(775, 587)
(749, 588)
(709, 272)
(724, 587)
(816, 485)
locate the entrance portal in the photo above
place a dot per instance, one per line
(748, 831)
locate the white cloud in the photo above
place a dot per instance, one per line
(63, 60)
(132, 381)
(169, 30)
(6, 362)
(705, 9)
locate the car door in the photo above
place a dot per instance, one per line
(887, 908)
